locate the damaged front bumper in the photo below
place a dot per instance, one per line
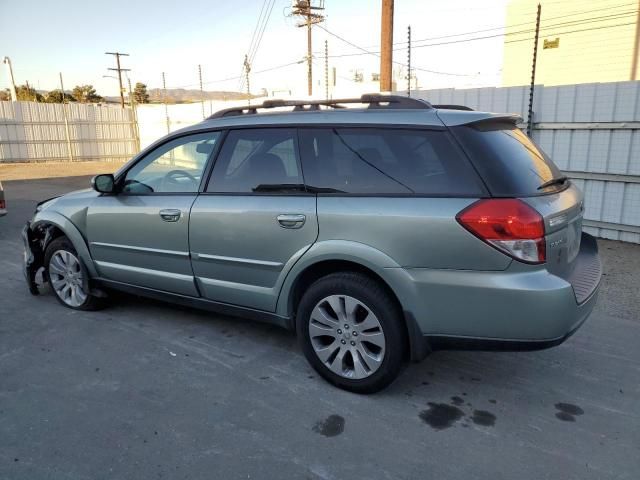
(33, 257)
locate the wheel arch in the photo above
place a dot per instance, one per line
(340, 256)
(50, 225)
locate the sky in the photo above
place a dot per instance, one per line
(71, 36)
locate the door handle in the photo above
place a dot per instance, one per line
(170, 215)
(291, 220)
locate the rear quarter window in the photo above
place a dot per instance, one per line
(374, 161)
(510, 163)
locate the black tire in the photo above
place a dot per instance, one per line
(381, 303)
(63, 244)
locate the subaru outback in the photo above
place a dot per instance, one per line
(378, 229)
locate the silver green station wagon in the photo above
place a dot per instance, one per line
(378, 229)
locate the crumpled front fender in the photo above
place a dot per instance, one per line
(46, 217)
(33, 257)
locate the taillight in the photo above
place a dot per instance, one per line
(2, 205)
(508, 224)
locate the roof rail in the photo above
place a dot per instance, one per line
(375, 101)
(453, 107)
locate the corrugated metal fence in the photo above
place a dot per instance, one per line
(40, 132)
(592, 132)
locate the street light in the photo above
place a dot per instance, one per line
(7, 62)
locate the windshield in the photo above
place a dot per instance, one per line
(510, 163)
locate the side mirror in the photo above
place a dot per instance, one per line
(104, 183)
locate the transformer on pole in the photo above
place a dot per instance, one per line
(310, 11)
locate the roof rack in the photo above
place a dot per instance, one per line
(374, 101)
(453, 107)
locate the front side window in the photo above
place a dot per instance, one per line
(257, 160)
(385, 161)
(174, 167)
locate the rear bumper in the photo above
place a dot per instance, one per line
(516, 309)
(444, 342)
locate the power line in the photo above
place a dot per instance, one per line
(548, 27)
(257, 27)
(237, 77)
(576, 31)
(367, 52)
(377, 54)
(496, 36)
(253, 37)
(521, 24)
(575, 13)
(516, 25)
(258, 33)
(253, 54)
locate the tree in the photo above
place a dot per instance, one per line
(140, 94)
(55, 96)
(26, 93)
(86, 94)
(5, 95)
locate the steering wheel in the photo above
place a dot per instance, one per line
(173, 175)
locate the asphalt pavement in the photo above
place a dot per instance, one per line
(146, 390)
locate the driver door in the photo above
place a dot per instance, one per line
(140, 236)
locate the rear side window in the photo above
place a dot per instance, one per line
(508, 161)
(257, 160)
(385, 161)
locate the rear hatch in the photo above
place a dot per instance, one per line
(513, 166)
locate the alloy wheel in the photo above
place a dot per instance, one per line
(66, 278)
(347, 336)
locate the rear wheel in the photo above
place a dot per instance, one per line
(67, 276)
(351, 332)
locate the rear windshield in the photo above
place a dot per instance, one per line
(508, 161)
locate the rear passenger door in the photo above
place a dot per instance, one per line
(398, 191)
(254, 220)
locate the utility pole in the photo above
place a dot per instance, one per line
(7, 62)
(309, 56)
(409, 61)
(386, 45)
(164, 99)
(636, 50)
(326, 70)
(533, 74)
(119, 70)
(134, 111)
(247, 70)
(311, 14)
(201, 89)
(66, 121)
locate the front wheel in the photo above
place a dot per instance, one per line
(67, 276)
(351, 332)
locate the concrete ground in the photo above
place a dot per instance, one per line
(148, 390)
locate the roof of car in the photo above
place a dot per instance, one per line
(381, 110)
